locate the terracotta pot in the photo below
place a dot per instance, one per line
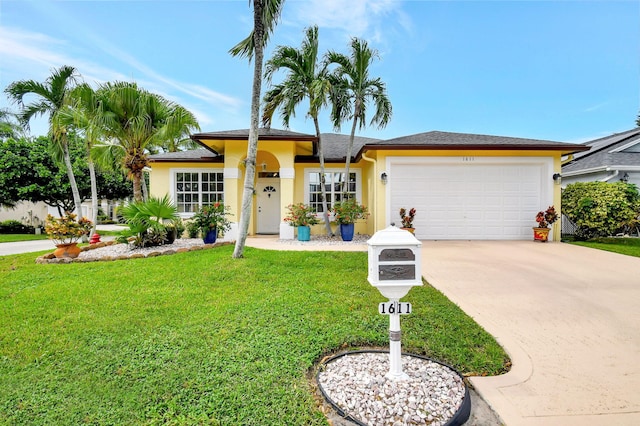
(412, 230)
(541, 234)
(68, 250)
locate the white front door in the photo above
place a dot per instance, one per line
(268, 205)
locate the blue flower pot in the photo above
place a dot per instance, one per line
(346, 231)
(304, 233)
(211, 236)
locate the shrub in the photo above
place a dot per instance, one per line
(600, 209)
(148, 221)
(301, 214)
(15, 227)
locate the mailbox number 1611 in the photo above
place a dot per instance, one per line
(393, 307)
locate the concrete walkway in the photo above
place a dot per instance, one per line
(41, 245)
(568, 316)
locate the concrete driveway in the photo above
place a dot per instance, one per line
(568, 316)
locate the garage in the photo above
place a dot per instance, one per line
(470, 198)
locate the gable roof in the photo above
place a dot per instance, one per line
(335, 144)
(607, 152)
(459, 141)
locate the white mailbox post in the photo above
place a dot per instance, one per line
(394, 267)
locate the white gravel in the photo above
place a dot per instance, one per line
(115, 251)
(356, 383)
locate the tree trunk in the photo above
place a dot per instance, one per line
(325, 210)
(137, 188)
(347, 162)
(252, 149)
(77, 201)
(94, 195)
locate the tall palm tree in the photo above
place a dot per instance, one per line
(79, 111)
(132, 120)
(50, 96)
(306, 78)
(353, 88)
(265, 17)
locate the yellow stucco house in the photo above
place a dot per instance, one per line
(463, 186)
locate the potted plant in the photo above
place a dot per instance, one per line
(65, 232)
(346, 213)
(545, 219)
(407, 219)
(302, 216)
(212, 221)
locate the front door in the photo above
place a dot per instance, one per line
(268, 198)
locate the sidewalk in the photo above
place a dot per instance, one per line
(41, 245)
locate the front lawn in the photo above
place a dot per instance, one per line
(200, 338)
(622, 245)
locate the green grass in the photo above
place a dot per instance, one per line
(628, 246)
(11, 238)
(200, 338)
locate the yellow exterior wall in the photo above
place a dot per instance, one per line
(280, 155)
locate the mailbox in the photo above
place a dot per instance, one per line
(394, 262)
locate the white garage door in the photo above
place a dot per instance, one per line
(470, 198)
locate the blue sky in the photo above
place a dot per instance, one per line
(558, 70)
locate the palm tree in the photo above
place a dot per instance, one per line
(133, 120)
(353, 88)
(78, 112)
(265, 17)
(305, 79)
(175, 136)
(50, 97)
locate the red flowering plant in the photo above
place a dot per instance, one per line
(213, 216)
(407, 219)
(547, 217)
(65, 229)
(301, 214)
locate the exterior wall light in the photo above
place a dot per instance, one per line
(557, 178)
(384, 178)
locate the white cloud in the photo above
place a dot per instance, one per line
(369, 19)
(32, 55)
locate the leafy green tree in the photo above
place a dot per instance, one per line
(49, 99)
(305, 78)
(9, 126)
(353, 88)
(601, 209)
(29, 173)
(265, 17)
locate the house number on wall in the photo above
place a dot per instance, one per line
(468, 158)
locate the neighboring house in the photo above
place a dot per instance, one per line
(609, 159)
(467, 187)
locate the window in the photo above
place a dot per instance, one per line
(196, 189)
(333, 182)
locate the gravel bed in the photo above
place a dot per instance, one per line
(324, 240)
(356, 383)
(126, 250)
